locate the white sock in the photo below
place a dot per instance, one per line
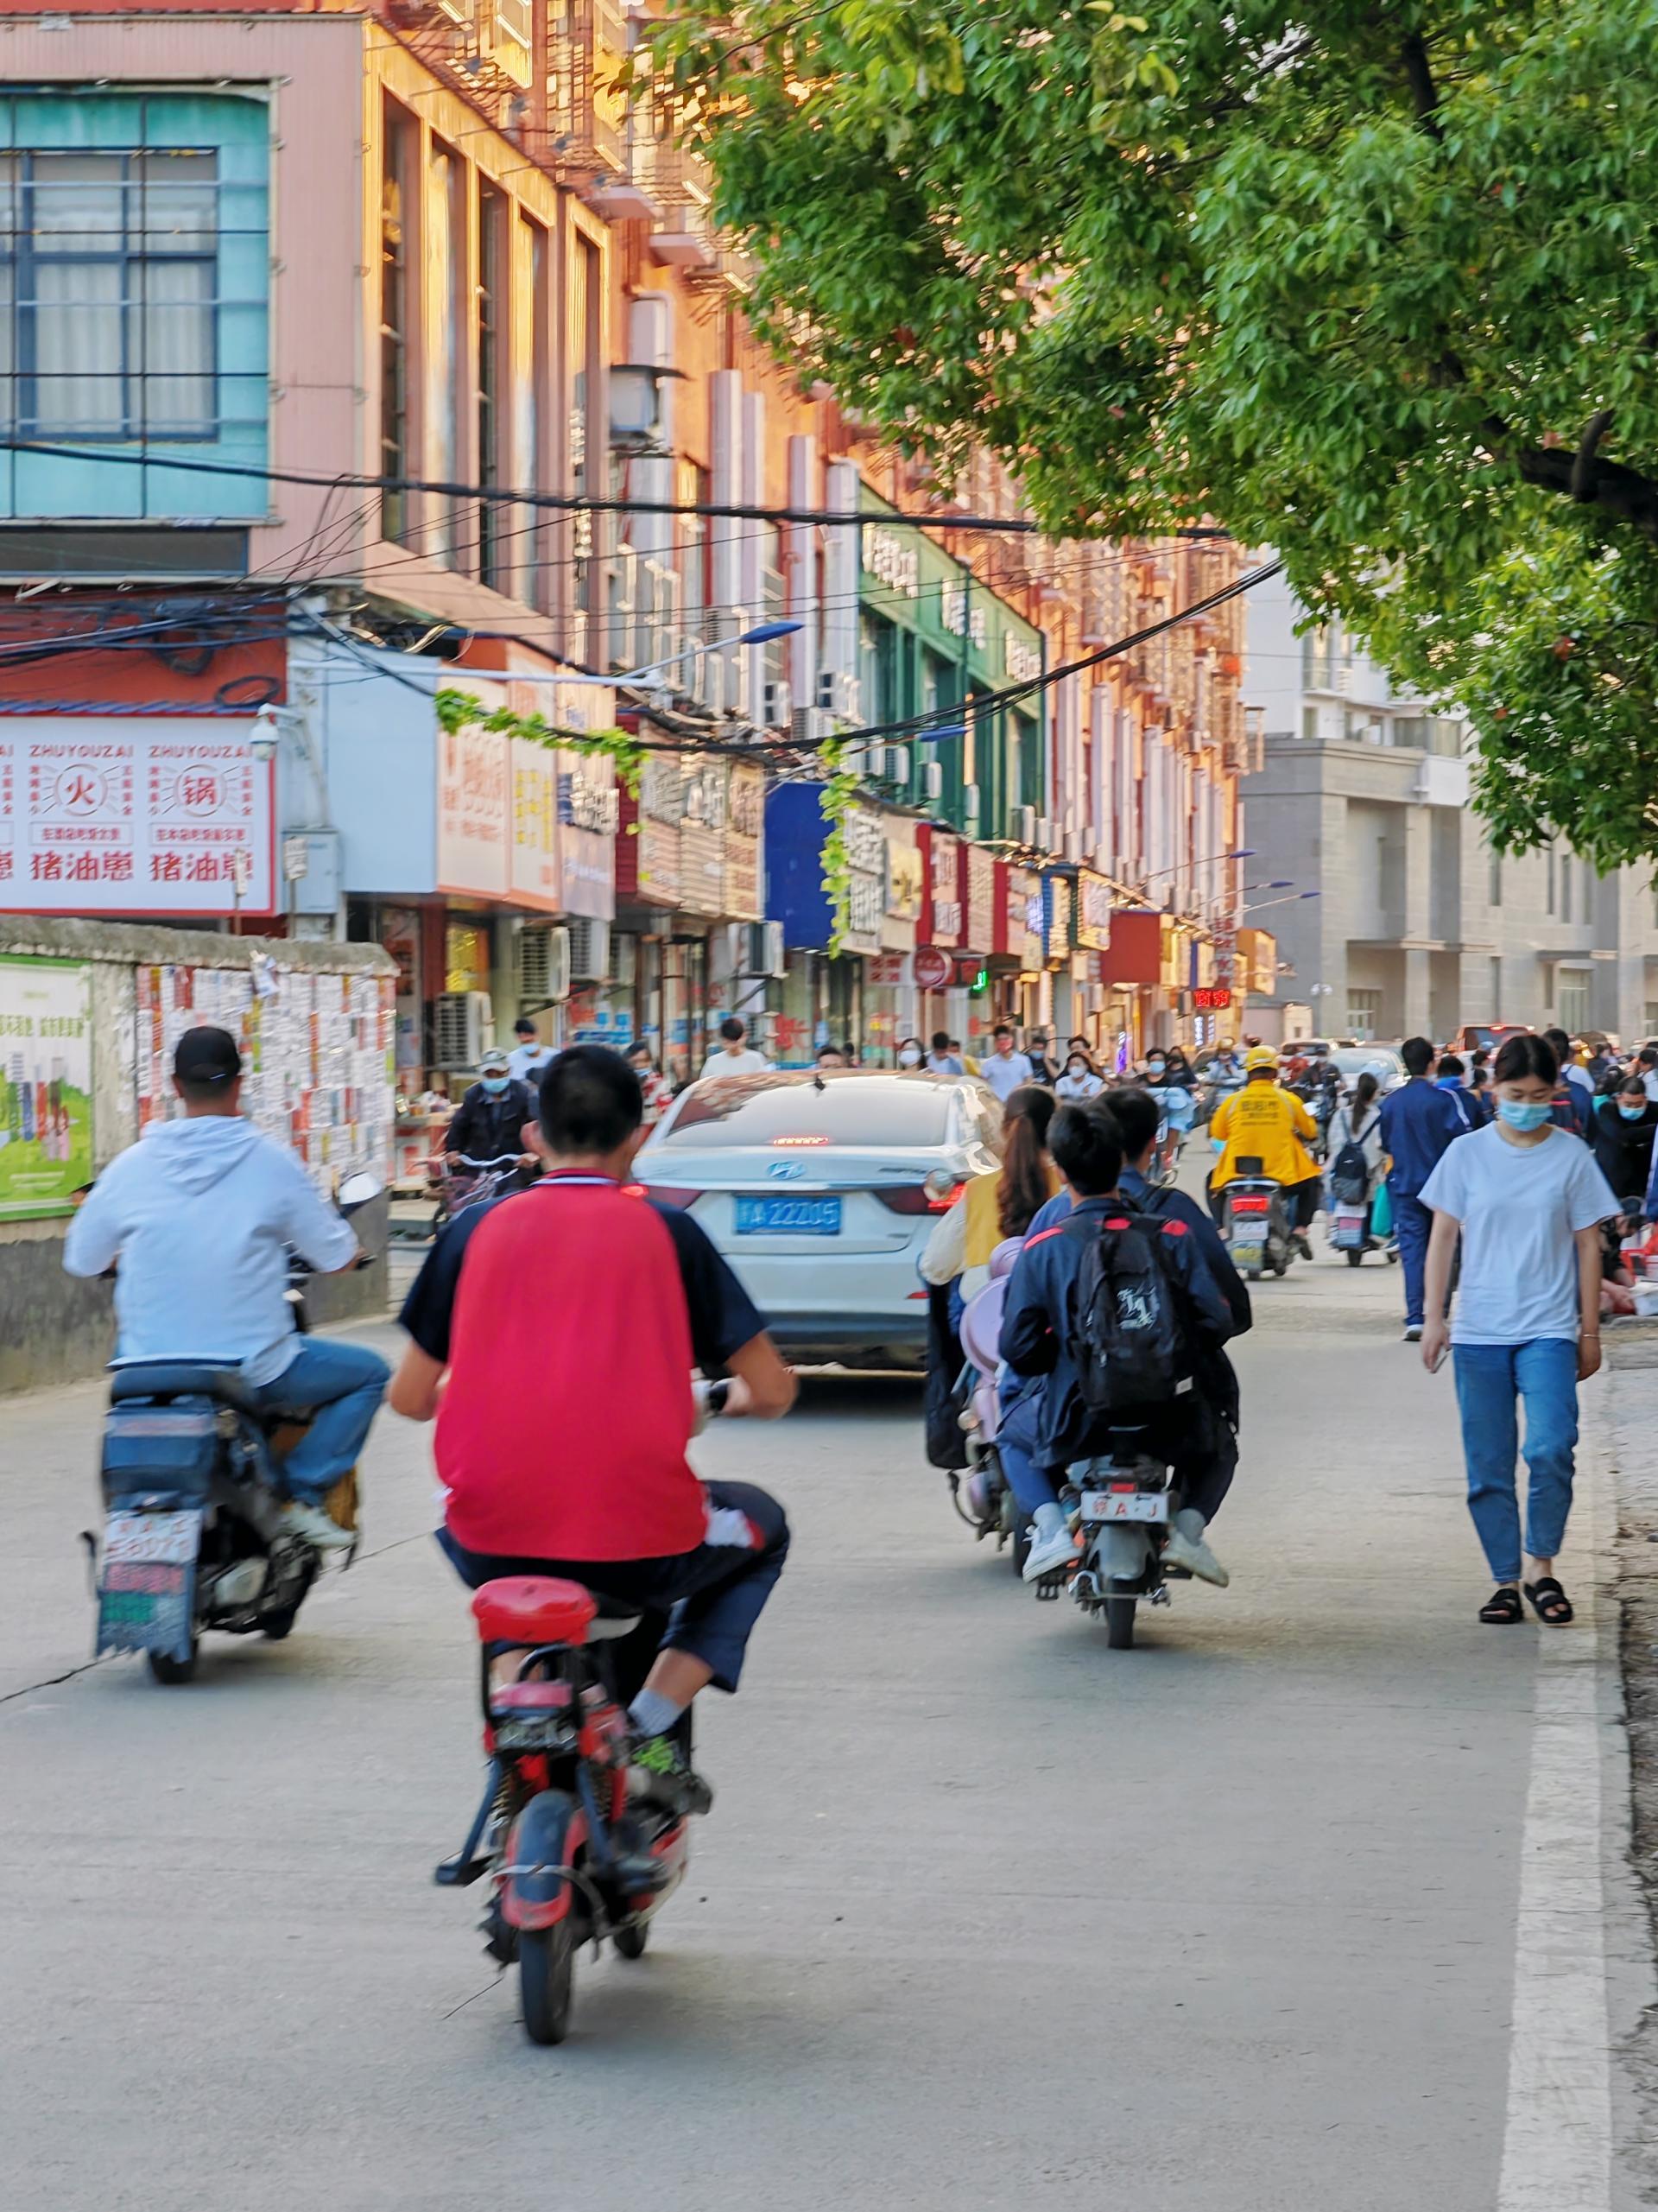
(652, 1713)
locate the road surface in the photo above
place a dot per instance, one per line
(985, 1914)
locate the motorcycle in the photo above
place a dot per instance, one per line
(570, 1857)
(1123, 1501)
(193, 1535)
(473, 1182)
(983, 1499)
(1255, 1222)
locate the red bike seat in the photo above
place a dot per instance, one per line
(533, 1609)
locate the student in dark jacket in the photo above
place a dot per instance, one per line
(489, 1120)
(1052, 1426)
(1621, 1136)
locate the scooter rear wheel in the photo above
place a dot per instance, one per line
(631, 1942)
(546, 1975)
(1119, 1623)
(167, 1669)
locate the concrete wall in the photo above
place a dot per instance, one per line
(54, 1328)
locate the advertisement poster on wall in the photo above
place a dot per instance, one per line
(45, 1085)
(161, 817)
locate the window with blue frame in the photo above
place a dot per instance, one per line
(134, 284)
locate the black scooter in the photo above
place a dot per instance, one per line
(193, 1535)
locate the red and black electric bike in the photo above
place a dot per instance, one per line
(571, 1857)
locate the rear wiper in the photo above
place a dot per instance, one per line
(817, 1083)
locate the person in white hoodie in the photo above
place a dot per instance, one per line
(196, 1219)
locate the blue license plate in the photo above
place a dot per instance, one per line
(788, 1217)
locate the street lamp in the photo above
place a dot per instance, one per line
(1242, 852)
(1293, 901)
(1278, 884)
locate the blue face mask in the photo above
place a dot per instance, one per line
(1520, 1114)
(1633, 1113)
(495, 1084)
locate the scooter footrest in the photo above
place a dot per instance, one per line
(1049, 1587)
(459, 1874)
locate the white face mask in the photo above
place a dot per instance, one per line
(1076, 1067)
(909, 1058)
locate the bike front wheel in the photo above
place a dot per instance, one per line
(546, 1980)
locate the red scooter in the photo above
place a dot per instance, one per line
(570, 1856)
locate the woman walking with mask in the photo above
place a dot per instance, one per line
(1527, 1201)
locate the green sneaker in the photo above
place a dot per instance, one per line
(659, 1772)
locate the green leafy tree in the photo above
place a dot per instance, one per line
(1376, 284)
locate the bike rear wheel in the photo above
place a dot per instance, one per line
(546, 1976)
(1119, 1623)
(631, 1942)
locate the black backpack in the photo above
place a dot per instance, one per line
(1350, 1173)
(1128, 1339)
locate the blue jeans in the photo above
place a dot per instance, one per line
(339, 1387)
(1413, 1224)
(712, 1596)
(1490, 1380)
(1015, 1447)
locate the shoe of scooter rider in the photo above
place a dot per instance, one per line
(1184, 1547)
(975, 1494)
(315, 1527)
(660, 1773)
(1300, 1243)
(1052, 1544)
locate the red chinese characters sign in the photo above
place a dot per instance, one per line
(101, 814)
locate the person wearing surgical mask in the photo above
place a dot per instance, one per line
(1527, 1200)
(1621, 1132)
(489, 1121)
(1081, 1079)
(909, 1053)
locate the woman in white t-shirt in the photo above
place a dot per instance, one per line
(1081, 1080)
(1527, 1201)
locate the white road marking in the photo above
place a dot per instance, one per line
(1557, 2143)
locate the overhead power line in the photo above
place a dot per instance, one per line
(561, 503)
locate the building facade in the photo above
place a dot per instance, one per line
(351, 355)
(1395, 915)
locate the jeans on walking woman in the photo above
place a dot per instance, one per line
(1493, 1381)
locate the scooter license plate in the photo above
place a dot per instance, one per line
(1248, 1252)
(147, 1591)
(1125, 1506)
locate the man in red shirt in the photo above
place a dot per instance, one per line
(554, 1335)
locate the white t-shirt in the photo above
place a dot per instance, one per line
(1520, 1206)
(199, 1215)
(746, 1062)
(1005, 1073)
(526, 1061)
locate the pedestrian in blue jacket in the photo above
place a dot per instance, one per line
(1418, 1123)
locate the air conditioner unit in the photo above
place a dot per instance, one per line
(590, 950)
(461, 1022)
(813, 725)
(933, 782)
(764, 951)
(1076, 845)
(1023, 825)
(970, 807)
(543, 965)
(1045, 832)
(778, 706)
(895, 763)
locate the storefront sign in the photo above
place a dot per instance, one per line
(934, 970)
(588, 803)
(866, 889)
(903, 881)
(963, 615)
(45, 1085)
(533, 854)
(1056, 918)
(473, 785)
(1024, 662)
(944, 922)
(980, 917)
(1021, 930)
(661, 811)
(891, 562)
(102, 815)
(744, 899)
(1093, 912)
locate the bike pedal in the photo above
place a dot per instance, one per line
(1049, 1587)
(459, 1873)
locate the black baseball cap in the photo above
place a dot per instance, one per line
(207, 1056)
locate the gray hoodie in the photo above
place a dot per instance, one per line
(199, 1215)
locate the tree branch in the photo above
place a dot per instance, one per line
(1586, 472)
(1423, 91)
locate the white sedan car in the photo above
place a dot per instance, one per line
(821, 1191)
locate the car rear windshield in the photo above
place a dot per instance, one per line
(785, 1108)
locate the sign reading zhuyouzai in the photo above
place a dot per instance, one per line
(106, 814)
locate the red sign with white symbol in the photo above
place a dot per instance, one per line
(104, 815)
(934, 969)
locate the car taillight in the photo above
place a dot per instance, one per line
(1250, 1205)
(919, 1197)
(669, 1194)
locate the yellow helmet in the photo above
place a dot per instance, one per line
(1262, 1055)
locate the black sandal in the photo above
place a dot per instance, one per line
(1549, 1603)
(1502, 1608)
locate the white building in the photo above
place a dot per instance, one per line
(1362, 797)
